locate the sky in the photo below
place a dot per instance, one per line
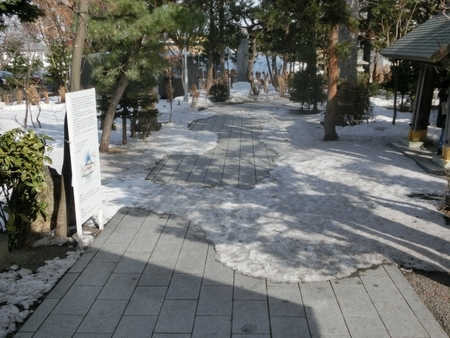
(326, 210)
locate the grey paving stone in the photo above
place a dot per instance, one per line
(166, 253)
(182, 173)
(146, 301)
(355, 302)
(238, 335)
(73, 304)
(416, 304)
(147, 237)
(349, 282)
(433, 328)
(249, 288)
(110, 253)
(376, 272)
(215, 301)
(184, 286)
(192, 256)
(283, 327)
(119, 286)
(326, 323)
(400, 320)
(154, 275)
(212, 326)
(133, 219)
(250, 316)
(95, 274)
(177, 316)
(110, 312)
(285, 301)
(39, 315)
(215, 272)
(57, 326)
(133, 262)
(328, 336)
(122, 236)
(397, 277)
(92, 335)
(135, 326)
(171, 335)
(154, 172)
(381, 289)
(317, 294)
(83, 261)
(63, 285)
(366, 327)
(24, 334)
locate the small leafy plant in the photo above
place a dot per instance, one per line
(22, 159)
(219, 92)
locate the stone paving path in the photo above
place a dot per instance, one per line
(150, 275)
(239, 159)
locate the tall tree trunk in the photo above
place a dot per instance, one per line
(62, 218)
(221, 39)
(275, 71)
(210, 71)
(78, 44)
(251, 61)
(375, 64)
(118, 93)
(124, 126)
(109, 117)
(212, 37)
(367, 45)
(349, 67)
(333, 75)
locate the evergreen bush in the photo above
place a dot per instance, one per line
(307, 88)
(353, 104)
(219, 92)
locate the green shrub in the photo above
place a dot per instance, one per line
(22, 159)
(219, 92)
(353, 104)
(307, 88)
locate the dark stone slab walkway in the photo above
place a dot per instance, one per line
(240, 159)
(150, 275)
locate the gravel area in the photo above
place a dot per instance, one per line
(433, 288)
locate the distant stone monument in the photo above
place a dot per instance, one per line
(242, 61)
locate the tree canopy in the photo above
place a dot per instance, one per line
(25, 10)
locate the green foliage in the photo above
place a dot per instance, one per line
(353, 103)
(407, 73)
(22, 157)
(385, 21)
(219, 92)
(146, 122)
(25, 10)
(125, 40)
(22, 68)
(307, 88)
(60, 61)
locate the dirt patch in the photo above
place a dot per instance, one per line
(32, 258)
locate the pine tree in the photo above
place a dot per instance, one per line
(126, 37)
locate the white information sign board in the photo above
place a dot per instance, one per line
(84, 156)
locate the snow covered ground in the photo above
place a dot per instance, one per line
(327, 209)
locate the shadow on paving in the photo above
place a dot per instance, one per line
(240, 159)
(149, 275)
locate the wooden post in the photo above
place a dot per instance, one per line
(422, 104)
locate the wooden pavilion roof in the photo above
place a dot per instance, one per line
(429, 42)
